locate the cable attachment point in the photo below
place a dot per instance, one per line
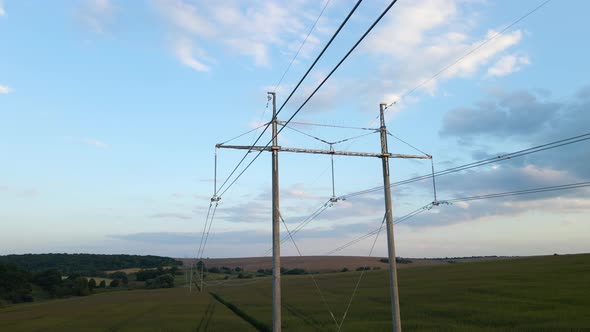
(438, 203)
(215, 198)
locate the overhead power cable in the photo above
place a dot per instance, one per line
(314, 91)
(465, 199)
(328, 142)
(330, 126)
(202, 250)
(520, 192)
(297, 54)
(377, 230)
(358, 282)
(408, 144)
(204, 230)
(309, 135)
(471, 51)
(286, 101)
(310, 274)
(302, 44)
(519, 153)
(306, 221)
(244, 134)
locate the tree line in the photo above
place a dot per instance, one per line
(18, 284)
(85, 264)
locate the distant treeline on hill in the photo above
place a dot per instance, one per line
(462, 257)
(85, 264)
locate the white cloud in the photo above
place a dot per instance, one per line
(508, 64)
(184, 50)
(417, 18)
(298, 191)
(89, 141)
(96, 14)
(484, 55)
(256, 50)
(244, 28)
(420, 38)
(5, 89)
(185, 17)
(171, 215)
(2, 11)
(96, 143)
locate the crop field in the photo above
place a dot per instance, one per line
(138, 310)
(549, 293)
(529, 293)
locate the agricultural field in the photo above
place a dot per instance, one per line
(138, 310)
(549, 293)
(315, 263)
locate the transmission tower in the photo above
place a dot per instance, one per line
(275, 148)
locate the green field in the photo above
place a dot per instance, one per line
(548, 293)
(529, 293)
(138, 310)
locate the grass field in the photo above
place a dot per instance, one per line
(528, 293)
(548, 293)
(138, 310)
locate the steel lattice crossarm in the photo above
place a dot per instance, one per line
(319, 151)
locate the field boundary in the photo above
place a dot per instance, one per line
(260, 326)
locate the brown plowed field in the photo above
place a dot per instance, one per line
(316, 263)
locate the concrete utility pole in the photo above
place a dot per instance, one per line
(395, 314)
(276, 226)
(276, 240)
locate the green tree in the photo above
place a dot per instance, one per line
(114, 283)
(91, 285)
(102, 284)
(48, 280)
(122, 276)
(14, 284)
(162, 281)
(80, 287)
(201, 266)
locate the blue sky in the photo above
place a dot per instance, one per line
(110, 111)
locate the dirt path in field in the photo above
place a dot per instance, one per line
(206, 319)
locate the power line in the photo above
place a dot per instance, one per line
(309, 135)
(358, 282)
(520, 192)
(204, 229)
(306, 221)
(511, 155)
(465, 199)
(287, 100)
(314, 91)
(331, 126)
(519, 153)
(328, 142)
(379, 229)
(297, 54)
(310, 274)
(301, 46)
(208, 231)
(244, 134)
(461, 58)
(408, 144)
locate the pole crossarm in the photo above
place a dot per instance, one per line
(319, 151)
